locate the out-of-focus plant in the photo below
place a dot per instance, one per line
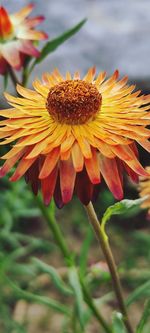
(18, 40)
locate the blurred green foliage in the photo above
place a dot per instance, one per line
(25, 258)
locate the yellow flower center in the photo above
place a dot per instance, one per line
(73, 102)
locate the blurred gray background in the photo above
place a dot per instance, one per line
(116, 35)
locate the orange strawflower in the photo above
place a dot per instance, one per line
(144, 190)
(70, 131)
(16, 37)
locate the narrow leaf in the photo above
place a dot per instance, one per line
(22, 294)
(142, 291)
(57, 280)
(85, 251)
(75, 283)
(56, 42)
(144, 318)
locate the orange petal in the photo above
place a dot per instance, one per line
(76, 75)
(145, 144)
(93, 168)
(37, 149)
(15, 150)
(48, 186)
(57, 75)
(100, 78)
(109, 170)
(10, 163)
(85, 147)
(126, 154)
(22, 167)
(67, 180)
(68, 76)
(84, 188)
(77, 157)
(67, 143)
(49, 163)
(65, 156)
(89, 77)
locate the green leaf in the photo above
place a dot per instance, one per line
(57, 280)
(52, 45)
(144, 318)
(75, 283)
(142, 291)
(51, 303)
(120, 208)
(85, 251)
(92, 307)
(118, 325)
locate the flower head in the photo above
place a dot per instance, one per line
(144, 190)
(71, 132)
(17, 35)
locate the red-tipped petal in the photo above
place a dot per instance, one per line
(49, 163)
(77, 158)
(67, 179)
(57, 194)
(127, 155)
(133, 175)
(111, 176)
(48, 186)
(10, 163)
(32, 22)
(21, 169)
(83, 187)
(89, 77)
(31, 176)
(93, 168)
(145, 144)
(28, 48)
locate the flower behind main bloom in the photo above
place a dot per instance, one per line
(144, 190)
(71, 131)
(17, 35)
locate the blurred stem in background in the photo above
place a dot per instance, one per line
(103, 240)
(13, 76)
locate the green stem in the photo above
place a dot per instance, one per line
(110, 261)
(59, 238)
(94, 309)
(25, 77)
(53, 225)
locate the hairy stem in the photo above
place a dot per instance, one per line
(110, 261)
